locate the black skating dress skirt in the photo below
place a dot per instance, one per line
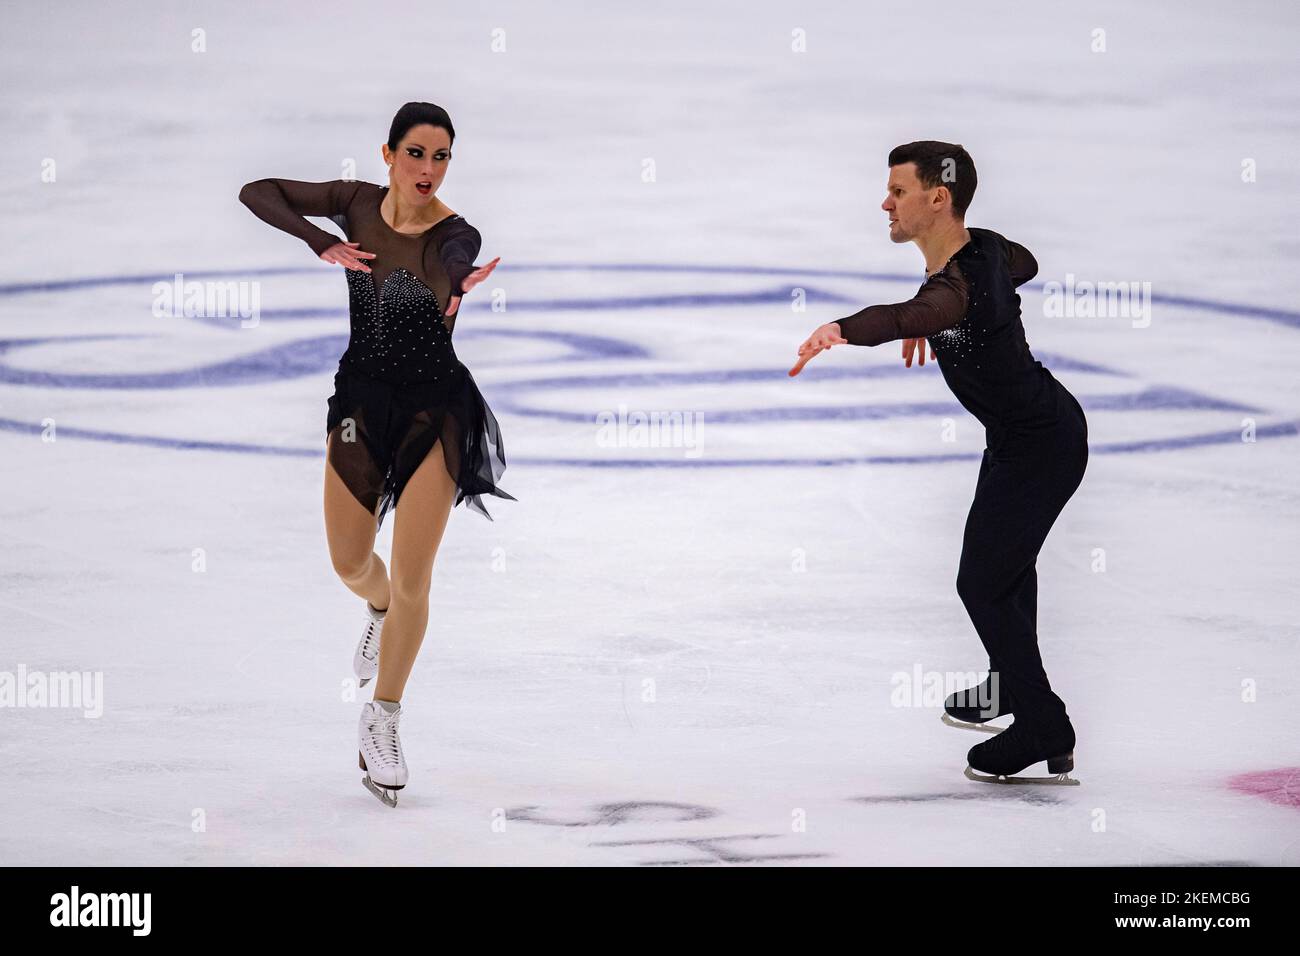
(400, 391)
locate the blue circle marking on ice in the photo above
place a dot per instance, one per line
(316, 354)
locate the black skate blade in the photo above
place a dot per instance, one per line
(1058, 780)
(363, 681)
(982, 728)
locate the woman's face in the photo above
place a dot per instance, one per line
(418, 165)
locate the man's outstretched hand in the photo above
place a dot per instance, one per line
(910, 346)
(822, 339)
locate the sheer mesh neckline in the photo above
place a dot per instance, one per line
(968, 244)
(379, 208)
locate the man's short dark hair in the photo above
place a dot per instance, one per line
(941, 164)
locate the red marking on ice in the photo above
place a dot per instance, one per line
(1276, 786)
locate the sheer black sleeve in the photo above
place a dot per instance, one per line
(284, 202)
(940, 304)
(458, 252)
(1022, 264)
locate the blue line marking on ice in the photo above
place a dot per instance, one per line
(1278, 430)
(306, 356)
(1151, 398)
(318, 354)
(1286, 317)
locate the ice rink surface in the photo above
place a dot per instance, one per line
(695, 655)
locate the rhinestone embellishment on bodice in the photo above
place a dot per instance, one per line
(399, 331)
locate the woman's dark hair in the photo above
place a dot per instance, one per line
(941, 164)
(416, 114)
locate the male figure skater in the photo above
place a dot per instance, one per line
(1035, 432)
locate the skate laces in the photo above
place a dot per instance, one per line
(1004, 741)
(370, 641)
(1017, 734)
(382, 731)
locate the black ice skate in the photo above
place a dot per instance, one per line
(972, 708)
(1022, 745)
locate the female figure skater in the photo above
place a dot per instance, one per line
(407, 427)
(1035, 432)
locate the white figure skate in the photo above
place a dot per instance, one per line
(365, 662)
(379, 752)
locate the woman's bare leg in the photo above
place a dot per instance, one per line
(422, 512)
(350, 531)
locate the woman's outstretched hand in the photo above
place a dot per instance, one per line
(822, 339)
(471, 280)
(910, 347)
(349, 255)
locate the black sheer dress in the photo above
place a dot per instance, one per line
(400, 389)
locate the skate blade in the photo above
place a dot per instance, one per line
(1057, 780)
(387, 797)
(362, 682)
(982, 728)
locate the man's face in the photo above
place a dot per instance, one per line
(912, 208)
